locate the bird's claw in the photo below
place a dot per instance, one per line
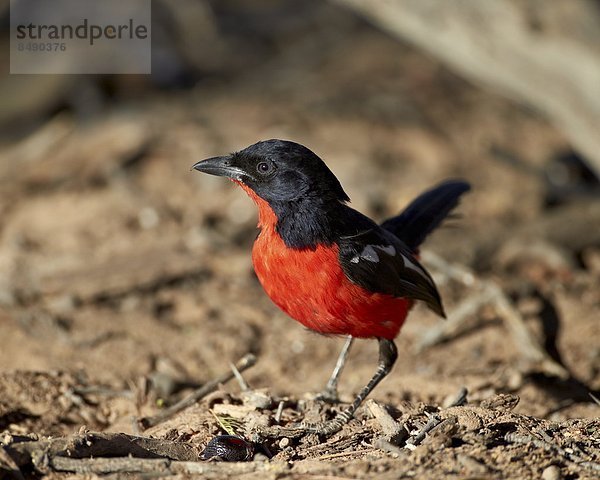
(325, 428)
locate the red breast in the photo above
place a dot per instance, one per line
(311, 287)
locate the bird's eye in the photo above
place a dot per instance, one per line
(264, 168)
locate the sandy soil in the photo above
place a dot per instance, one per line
(125, 279)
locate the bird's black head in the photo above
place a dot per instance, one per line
(278, 171)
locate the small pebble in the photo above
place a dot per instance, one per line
(551, 473)
(284, 442)
(258, 399)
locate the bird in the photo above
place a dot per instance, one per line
(328, 266)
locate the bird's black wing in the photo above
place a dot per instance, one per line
(378, 261)
(426, 212)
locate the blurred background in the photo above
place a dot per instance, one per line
(117, 263)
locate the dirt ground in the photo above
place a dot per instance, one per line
(126, 280)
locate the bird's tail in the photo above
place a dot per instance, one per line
(426, 212)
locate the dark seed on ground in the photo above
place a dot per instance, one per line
(228, 448)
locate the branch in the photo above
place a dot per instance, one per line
(99, 445)
(156, 466)
(489, 292)
(245, 362)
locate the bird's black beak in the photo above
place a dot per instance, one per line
(219, 166)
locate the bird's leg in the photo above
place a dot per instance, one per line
(388, 353)
(330, 392)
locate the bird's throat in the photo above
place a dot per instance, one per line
(301, 225)
(266, 215)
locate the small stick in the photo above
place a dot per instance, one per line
(435, 420)
(245, 362)
(279, 411)
(128, 465)
(461, 398)
(240, 379)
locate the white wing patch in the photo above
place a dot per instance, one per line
(370, 255)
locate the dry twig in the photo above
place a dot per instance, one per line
(436, 420)
(156, 466)
(99, 445)
(245, 362)
(488, 291)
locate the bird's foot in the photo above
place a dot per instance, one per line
(329, 427)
